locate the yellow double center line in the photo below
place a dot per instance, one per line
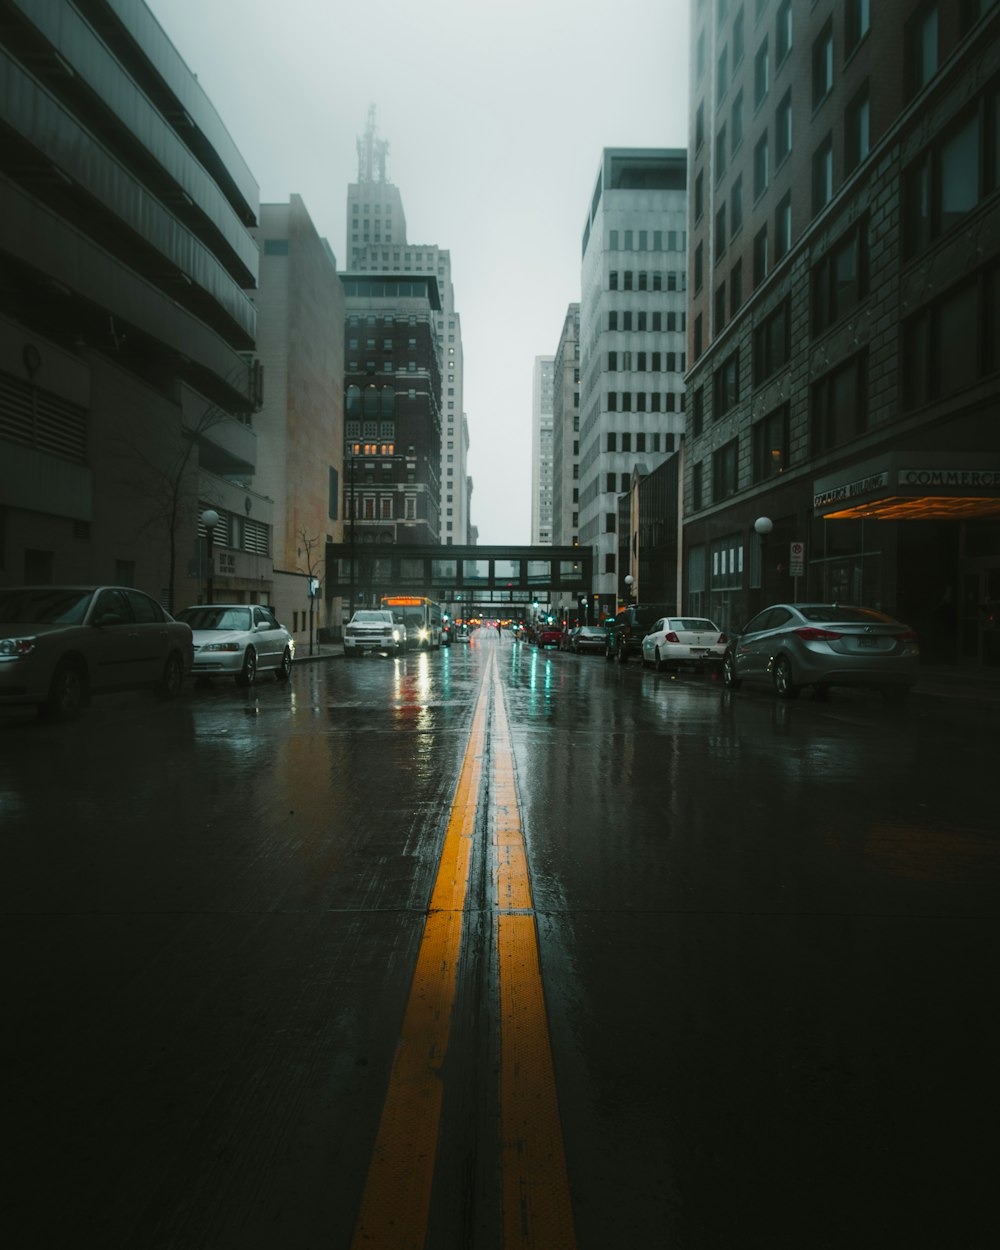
(535, 1188)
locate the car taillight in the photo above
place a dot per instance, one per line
(810, 634)
(909, 636)
(670, 637)
(721, 638)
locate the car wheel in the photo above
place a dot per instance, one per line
(895, 696)
(657, 661)
(784, 687)
(67, 693)
(249, 671)
(729, 678)
(284, 669)
(169, 685)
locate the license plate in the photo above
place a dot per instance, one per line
(699, 650)
(868, 642)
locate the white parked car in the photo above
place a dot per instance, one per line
(238, 640)
(683, 642)
(374, 629)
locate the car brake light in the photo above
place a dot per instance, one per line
(721, 638)
(909, 636)
(670, 637)
(810, 634)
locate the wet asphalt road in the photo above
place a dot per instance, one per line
(767, 936)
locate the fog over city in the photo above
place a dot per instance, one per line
(495, 116)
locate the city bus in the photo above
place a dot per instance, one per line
(423, 619)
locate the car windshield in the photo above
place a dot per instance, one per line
(380, 617)
(44, 605)
(210, 617)
(835, 612)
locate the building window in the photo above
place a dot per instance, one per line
(760, 256)
(770, 444)
(951, 177)
(772, 343)
(736, 207)
(720, 230)
(783, 128)
(738, 39)
(822, 65)
(612, 441)
(699, 265)
(922, 47)
(839, 406)
(609, 522)
(783, 32)
(722, 75)
(613, 280)
(612, 362)
(725, 471)
(736, 124)
(951, 344)
(720, 153)
(760, 167)
(857, 130)
(735, 287)
(839, 280)
(696, 487)
(699, 195)
(783, 227)
(699, 127)
(857, 23)
(726, 386)
(698, 412)
(761, 80)
(720, 307)
(822, 175)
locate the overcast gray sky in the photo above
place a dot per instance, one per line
(496, 112)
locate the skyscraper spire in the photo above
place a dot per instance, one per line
(371, 152)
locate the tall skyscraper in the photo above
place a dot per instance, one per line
(377, 242)
(566, 432)
(541, 450)
(633, 314)
(842, 435)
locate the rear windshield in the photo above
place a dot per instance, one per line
(837, 612)
(691, 622)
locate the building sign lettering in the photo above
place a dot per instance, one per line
(974, 479)
(863, 486)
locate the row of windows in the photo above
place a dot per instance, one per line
(647, 240)
(387, 366)
(640, 401)
(949, 345)
(643, 362)
(369, 507)
(655, 321)
(628, 280)
(355, 319)
(637, 441)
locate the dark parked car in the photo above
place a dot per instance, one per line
(791, 645)
(61, 644)
(587, 638)
(631, 625)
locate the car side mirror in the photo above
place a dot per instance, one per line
(109, 618)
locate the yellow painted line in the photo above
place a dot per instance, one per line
(394, 1208)
(537, 1213)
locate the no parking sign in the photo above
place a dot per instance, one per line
(797, 559)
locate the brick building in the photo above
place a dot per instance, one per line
(844, 253)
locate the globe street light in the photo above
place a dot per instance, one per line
(210, 519)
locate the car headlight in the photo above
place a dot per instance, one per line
(17, 648)
(221, 646)
(424, 634)
(395, 635)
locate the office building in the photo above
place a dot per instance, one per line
(541, 451)
(633, 313)
(566, 432)
(300, 426)
(377, 243)
(127, 378)
(845, 256)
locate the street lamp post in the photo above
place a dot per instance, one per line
(210, 519)
(629, 582)
(350, 606)
(762, 527)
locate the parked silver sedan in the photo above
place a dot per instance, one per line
(61, 644)
(238, 640)
(683, 642)
(791, 645)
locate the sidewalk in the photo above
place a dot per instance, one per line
(977, 687)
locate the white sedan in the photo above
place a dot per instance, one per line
(238, 640)
(683, 641)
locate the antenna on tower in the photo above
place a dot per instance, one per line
(371, 152)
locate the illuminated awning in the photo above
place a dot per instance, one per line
(907, 486)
